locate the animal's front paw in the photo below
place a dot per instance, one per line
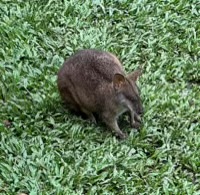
(136, 125)
(121, 135)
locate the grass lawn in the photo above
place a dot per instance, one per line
(44, 149)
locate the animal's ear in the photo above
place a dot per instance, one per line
(135, 75)
(118, 81)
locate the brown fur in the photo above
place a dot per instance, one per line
(94, 82)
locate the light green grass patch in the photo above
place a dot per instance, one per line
(46, 150)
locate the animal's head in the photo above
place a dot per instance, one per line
(128, 92)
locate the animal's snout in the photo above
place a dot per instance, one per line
(140, 110)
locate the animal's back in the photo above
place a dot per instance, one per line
(92, 67)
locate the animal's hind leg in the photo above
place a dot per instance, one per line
(70, 104)
(69, 100)
(73, 106)
(89, 115)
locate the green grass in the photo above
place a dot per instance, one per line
(47, 150)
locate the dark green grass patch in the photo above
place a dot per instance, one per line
(44, 149)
